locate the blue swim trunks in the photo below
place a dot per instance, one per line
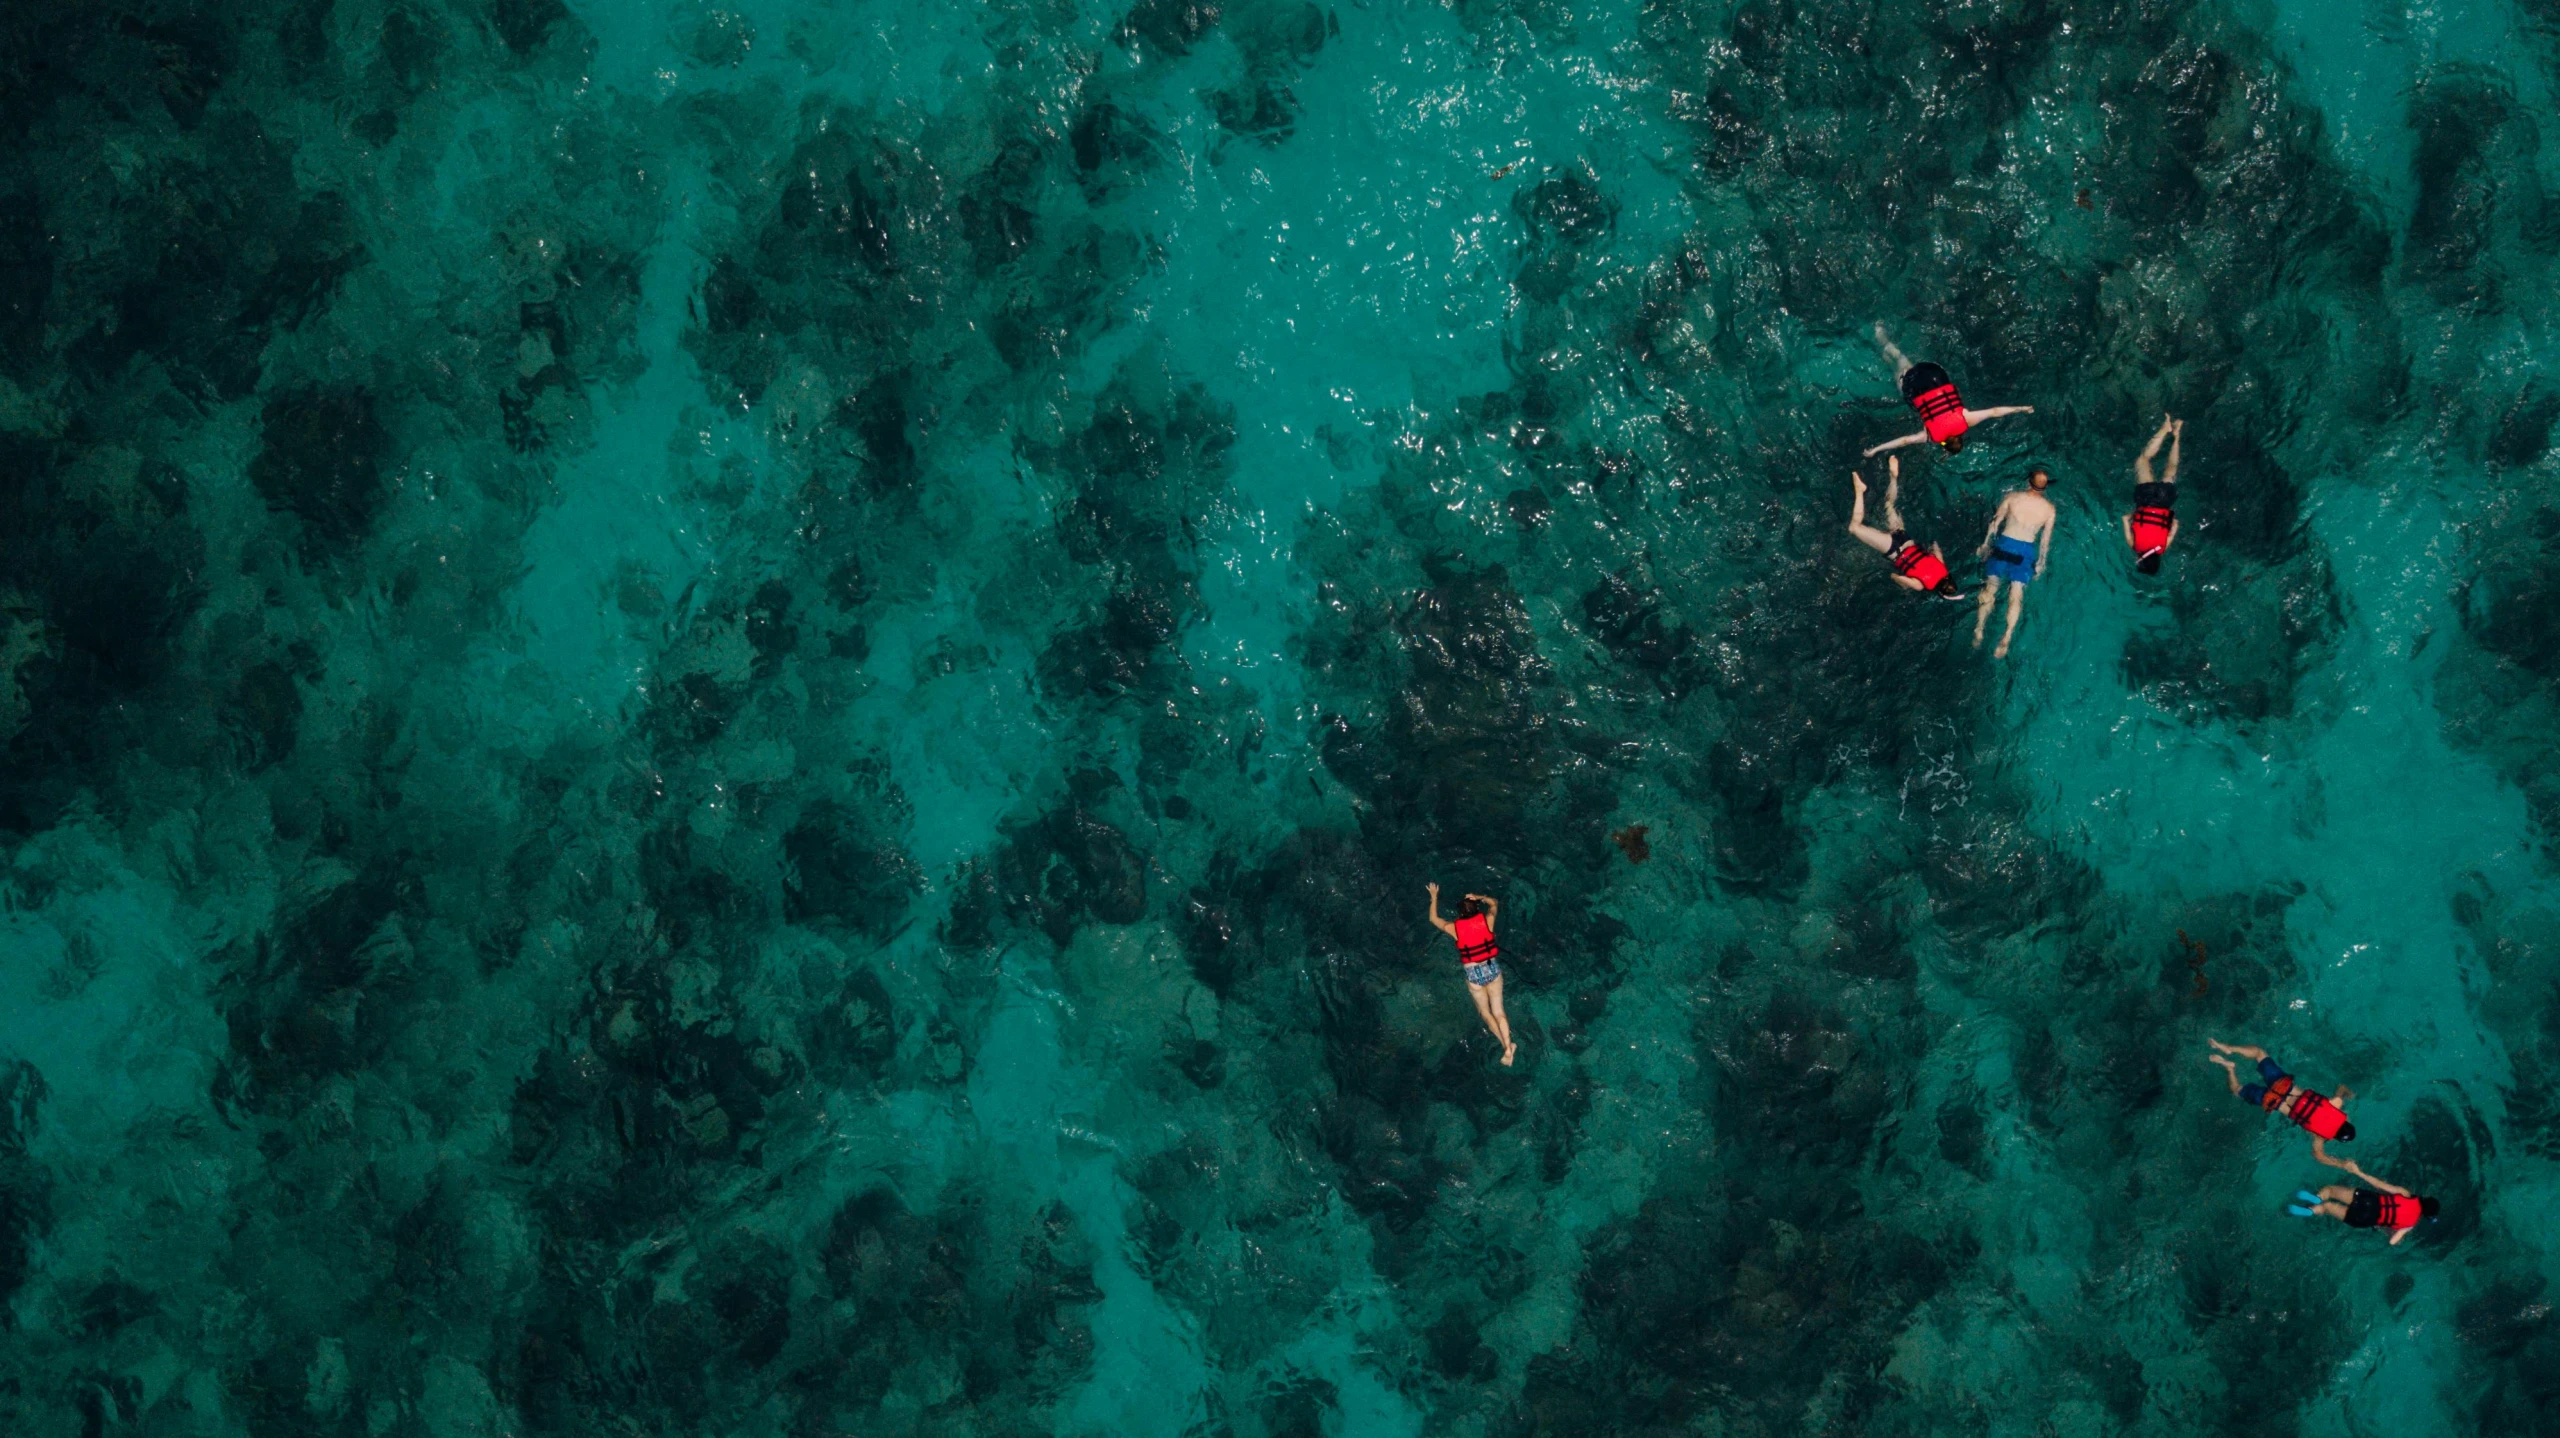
(1484, 973)
(2012, 559)
(2269, 1070)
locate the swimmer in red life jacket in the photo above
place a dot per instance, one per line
(1943, 417)
(2386, 1206)
(2324, 1118)
(2153, 525)
(1481, 960)
(1923, 571)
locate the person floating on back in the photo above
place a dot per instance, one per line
(2153, 525)
(2015, 548)
(1922, 571)
(2324, 1118)
(1473, 930)
(2386, 1206)
(1943, 417)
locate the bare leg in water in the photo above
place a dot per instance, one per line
(1879, 540)
(1892, 353)
(1982, 613)
(2172, 431)
(1488, 999)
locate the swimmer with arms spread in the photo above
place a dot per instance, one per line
(1473, 930)
(2153, 525)
(2386, 1206)
(1923, 571)
(2015, 548)
(2322, 1117)
(1943, 417)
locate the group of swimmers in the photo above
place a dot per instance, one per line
(2386, 1206)
(2015, 549)
(2019, 540)
(2383, 1205)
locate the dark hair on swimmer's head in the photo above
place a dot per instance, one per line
(1947, 588)
(1953, 444)
(2039, 476)
(2428, 1206)
(1469, 908)
(2149, 563)
(2346, 1133)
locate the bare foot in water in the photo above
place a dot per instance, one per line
(1507, 1053)
(2002, 652)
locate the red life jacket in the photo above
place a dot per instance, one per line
(2151, 530)
(1919, 565)
(2395, 1212)
(1475, 940)
(1942, 410)
(2309, 1110)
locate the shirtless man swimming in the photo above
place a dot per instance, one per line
(2019, 542)
(1943, 417)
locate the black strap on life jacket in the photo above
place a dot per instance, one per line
(1907, 558)
(2300, 1106)
(1936, 402)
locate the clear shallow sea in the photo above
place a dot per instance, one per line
(727, 720)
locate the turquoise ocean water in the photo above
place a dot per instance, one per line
(728, 719)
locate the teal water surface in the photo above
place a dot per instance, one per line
(728, 719)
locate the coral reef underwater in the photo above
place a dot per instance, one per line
(726, 717)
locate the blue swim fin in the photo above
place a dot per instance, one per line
(2304, 1195)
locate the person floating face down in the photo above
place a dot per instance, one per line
(2386, 1206)
(1922, 571)
(1481, 961)
(1943, 417)
(2014, 549)
(2319, 1115)
(2153, 525)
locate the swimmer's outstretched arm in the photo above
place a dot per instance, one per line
(1922, 437)
(1977, 416)
(1991, 531)
(2385, 1186)
(2320, 1151)
(1437, 922)
(2044, 539)
(2142, 461)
